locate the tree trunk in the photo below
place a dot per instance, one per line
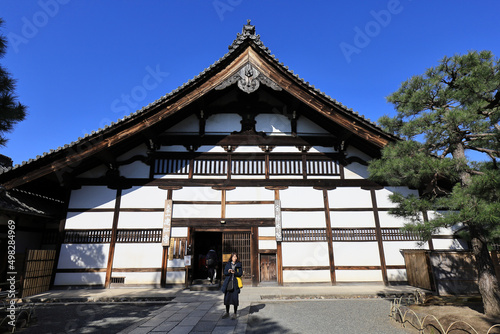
(487, 280)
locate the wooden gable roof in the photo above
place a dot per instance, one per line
(246, 53)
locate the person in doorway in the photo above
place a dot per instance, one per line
(232, 270)
(211, 263)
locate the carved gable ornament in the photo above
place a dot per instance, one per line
(249, 79)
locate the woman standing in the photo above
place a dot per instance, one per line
(232, 270)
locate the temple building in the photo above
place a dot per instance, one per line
(245, 157)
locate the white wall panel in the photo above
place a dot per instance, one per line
(388, 220)
(91, 197)
(211, 149)
(89, 220)
(322, 149)
(176, 277)
(137, 169)
(383, 200)
(140, 220)
(80, 279)
(356, 171)
(352, 219)
(222, 123)
(173, 148)
(268, 231)
(393, 254)
(143, 197)
(189, 124)
(396, 275)
(196, 211)
(176, 263)
(354, 152)
(306, 276)
(349, 198)
(285, 149)
(250, 194)
(197, 194)
(179, 232)
(273, 124)
(358, 275)
(301, 197)
(305, 254)
(248, 149)
(313, 219)
(75, 256)
(137, 255)
(356, 253)
(267, 244)
(305, 125)
(449, 244)
(250, 211)
(140, 278)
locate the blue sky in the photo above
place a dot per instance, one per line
(81, 65)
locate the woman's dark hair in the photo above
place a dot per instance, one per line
(237, 257)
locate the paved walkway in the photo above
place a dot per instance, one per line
(201, 311)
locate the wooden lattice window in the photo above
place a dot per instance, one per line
(139, 236)
(210, 167)
(87, 236)
(298, 235)
(354, 234)
(396, 234)
(322, 167)
(177, 248)
(248, 167)
(285, 167)
(172, 166)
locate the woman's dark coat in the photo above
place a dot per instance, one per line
(238, 273)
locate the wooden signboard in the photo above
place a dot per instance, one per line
(277, 218)
(167, 222)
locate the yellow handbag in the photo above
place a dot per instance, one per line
(240, 282)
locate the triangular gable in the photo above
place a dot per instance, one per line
(248, 64)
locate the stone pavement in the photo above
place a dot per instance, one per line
(201, 311)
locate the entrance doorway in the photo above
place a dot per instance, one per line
(202, 243)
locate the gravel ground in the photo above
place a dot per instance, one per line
(325, 316)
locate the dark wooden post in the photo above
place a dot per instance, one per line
(254, 254)
(114, 233)
(378, 234)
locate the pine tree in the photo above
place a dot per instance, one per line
(11, 111)
(451, 110)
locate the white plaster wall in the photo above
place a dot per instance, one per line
(172, 148)
(223, 123)
(273, 124)
(349, 198)
(91, 197)
(74, 256)
(322, 149)
(285, 149)
(356, 253)
(197, 194)
(305, 125)
(382, 195)
(250, 211)
(138, 150)
(143, 197)
(250, 194)
(189, 124)
(179, 232)
(387, 220)
(196, 211)
(89, 220)
(352, 219)
(176, 277)
(305, 254)
(356, 171)
(301, 197)
(138, 255)
(393, 254)
(140, 278)
(80, 279)
(358, 275)
(448, 244)
(94, 172)
(137, 169)
(397, 275)
(306, 276)
(267, 244)
(313, 219)
(140, 220)
(267, 231)
(248, 149)
(354, 152)
(211, 149)
(175, 263)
